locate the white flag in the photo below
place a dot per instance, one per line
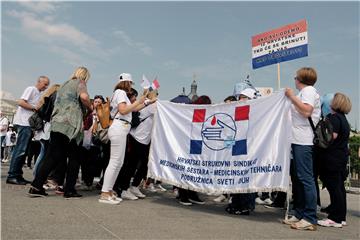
(145, 82)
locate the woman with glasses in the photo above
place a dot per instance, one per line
(305, 105)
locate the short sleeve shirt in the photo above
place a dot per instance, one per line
(302, 132)
(142, 133)
(32, 96)
(4, 123)
(119, 97)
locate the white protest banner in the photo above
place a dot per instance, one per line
(223, 148)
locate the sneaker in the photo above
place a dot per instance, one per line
(273, 205)
(329, 223)
(237, 211)
(303, 225)
(259, 201)
(115, 196)
(136, 191)
(161, 188)
(196, 199)
(33, 192)
(343, 223)
(109, 199)
(151, 187)
(50, 185)
(4, 160)
(128, 195)
(291, 220)
(72, 195)
(185, 202)
(268, 201)
(59, 190)
(220, 199)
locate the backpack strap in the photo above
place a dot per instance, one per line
(312, 124)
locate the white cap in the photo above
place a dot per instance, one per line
(125, 77)
(249, 92)
(10, 125)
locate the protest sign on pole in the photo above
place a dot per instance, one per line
(223, 148)
(282, 44)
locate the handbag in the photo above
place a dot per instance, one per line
(99, 134)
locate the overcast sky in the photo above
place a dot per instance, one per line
(174, 40)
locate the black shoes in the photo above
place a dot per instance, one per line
(237, 211)
(195, 199)
(185, 202)
(72, 195)
(17, 181)
(33, 192)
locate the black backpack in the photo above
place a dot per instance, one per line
(46, 109)
(13, 137)
(36, 121)
(323, 132)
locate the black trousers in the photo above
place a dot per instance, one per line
(334, 183)
(88, 163)
(33, 152)
(60, 149)
(243, 201)
(135, 153)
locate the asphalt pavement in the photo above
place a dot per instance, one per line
(158, 216)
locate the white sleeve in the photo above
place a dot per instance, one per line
(27, 95)
(120, 97)
(309, 96)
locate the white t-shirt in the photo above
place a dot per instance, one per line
(142, 133)
(4, 123)
(119, 97)
(32, 96)
(302, 132)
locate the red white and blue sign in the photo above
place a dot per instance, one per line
(220, 131)
(279, 45)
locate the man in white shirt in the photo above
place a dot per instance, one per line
(4, 123)
(27, 106)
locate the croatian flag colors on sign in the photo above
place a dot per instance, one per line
(223, 148)
(279, 45)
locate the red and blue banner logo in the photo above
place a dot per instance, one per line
(220, 131)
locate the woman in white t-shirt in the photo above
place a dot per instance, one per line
(305, 105)
(121, 109)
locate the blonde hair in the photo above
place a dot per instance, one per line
(341, 103)
(81, 73)
(307, 76)
(47, 93)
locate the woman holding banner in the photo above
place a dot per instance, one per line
(304, 105)
(121, 109)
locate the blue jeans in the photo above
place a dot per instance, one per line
(303, 183)
(44, 145)
(19, 153)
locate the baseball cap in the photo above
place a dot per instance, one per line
(248, 92)
(125, 77)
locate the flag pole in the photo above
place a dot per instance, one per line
(278, 76)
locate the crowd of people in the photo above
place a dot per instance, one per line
(73, 133)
